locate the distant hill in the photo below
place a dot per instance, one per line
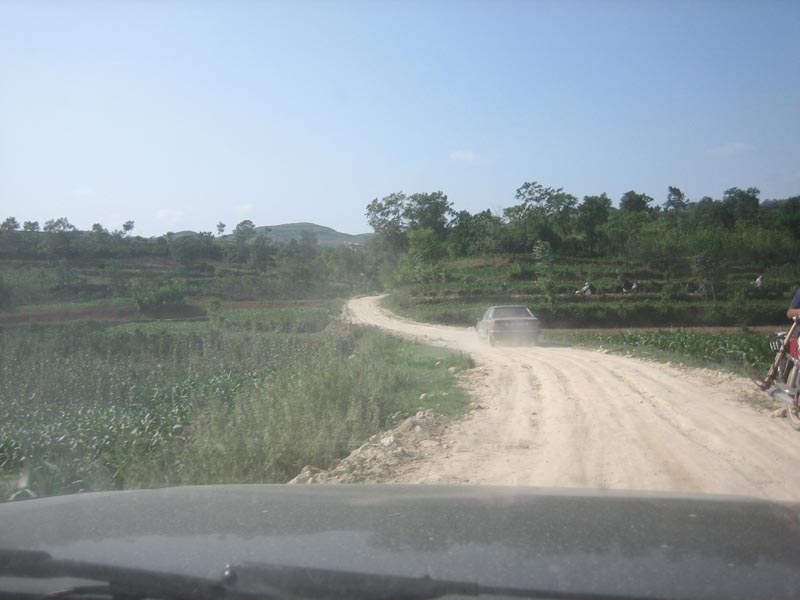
(280, 234)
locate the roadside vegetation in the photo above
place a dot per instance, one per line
(94, 407)
(197, 357)
(129, 362)
(745, 352)
(727, 261)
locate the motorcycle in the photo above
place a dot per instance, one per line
(785, 373)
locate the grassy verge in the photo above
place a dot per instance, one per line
(742, 351)
(597, 311)
(727, 351)
(93, 407)
(462, 313)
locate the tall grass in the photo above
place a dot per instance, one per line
(728, 351)
(88, 407)
(306, 319)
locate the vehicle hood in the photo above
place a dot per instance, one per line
(644, 545)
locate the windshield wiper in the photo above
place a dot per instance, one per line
(119, 582)
(252, 580)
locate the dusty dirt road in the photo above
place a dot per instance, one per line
(574, 418)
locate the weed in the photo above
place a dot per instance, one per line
(92, 407)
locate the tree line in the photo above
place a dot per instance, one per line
(675, 235)
(300, 266)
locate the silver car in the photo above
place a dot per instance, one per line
(515, 323)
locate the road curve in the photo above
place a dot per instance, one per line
(564, 417)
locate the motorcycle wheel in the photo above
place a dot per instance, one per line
(783, 370)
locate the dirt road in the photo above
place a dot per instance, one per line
(574, 418)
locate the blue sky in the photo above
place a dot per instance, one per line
(180, 114)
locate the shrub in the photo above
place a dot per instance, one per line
(168, 295)
(214, 309)
(671, 292)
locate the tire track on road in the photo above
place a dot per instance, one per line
(564, 417)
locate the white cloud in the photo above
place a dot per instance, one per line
(168, 215)
(730, 149)
(463, 156)
(244, 209)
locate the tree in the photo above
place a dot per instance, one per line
(632, 201)
(621, 227)
(661, 245)
(709, 257)
(190, 249)
(298, 266)
(471, 235)
(560, 208)
(425, 246)
(99, 231)
(676, 200)
(127, 227)
(30, 226)
(387, 217)
(262, 254)
(543, 267)
(518, 235)
(554, 205)
(545, 213)
(428, 211)
(789, 215)
(743, 203)
(532, 194)
(57, 243)
(309, 245)
(61, 225)
(244, 230)
(347, 265)
(239, 250)
(100, 240)
(592, 216)
(710, 213)
(10, 224)
(220, 228)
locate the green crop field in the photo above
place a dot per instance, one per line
(88, 406)
(744, 352)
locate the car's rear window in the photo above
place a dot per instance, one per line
(505, 312)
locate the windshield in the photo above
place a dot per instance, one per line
(254, 243)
